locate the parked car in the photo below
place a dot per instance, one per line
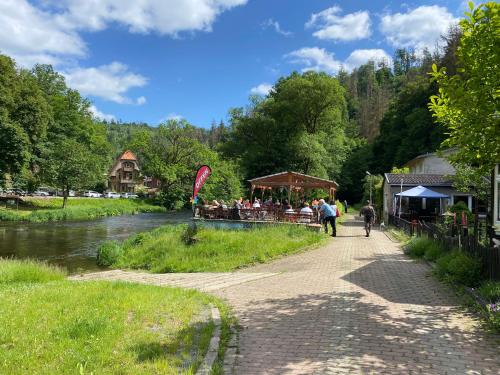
(92, 194)
(40, 193)
(129, 195)
(112, 194)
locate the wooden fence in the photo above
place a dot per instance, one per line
(454, 237)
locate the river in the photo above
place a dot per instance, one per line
(73, 244)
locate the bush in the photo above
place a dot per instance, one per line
(490, 291)
(108, 253)
(418, 245)
(28, 271)
(433, 252)
(457, 267)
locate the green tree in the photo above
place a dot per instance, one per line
(71, 165)
(173, 154)
(468, 103)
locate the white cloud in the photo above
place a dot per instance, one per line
(109, 82)
(276, 26)
(141, 100)
(362, 56)
(262, 89)
(31, 35)
(319, 59)
(100, 115)
(419, 28)
(145, 16)
(315, 58)
(331, 25)
(174, 116)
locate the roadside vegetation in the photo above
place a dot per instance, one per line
(49, 325)
(180, 249)
(460, 269)
(49, 209)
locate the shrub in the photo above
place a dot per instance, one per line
(490, 291)
(434, 251)
(418, 245)
(28, 271)
(457, 267)
(108, 253)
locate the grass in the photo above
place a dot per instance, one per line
(49, 325)
(49, 209)
(214, 250)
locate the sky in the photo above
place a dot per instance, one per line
(153, 60)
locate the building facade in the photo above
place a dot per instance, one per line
(124, 176)
(431, 163)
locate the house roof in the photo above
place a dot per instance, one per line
(413, 179)
(127, 155)
(292, 179)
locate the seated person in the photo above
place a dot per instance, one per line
(222, 204)
(215, 204)
(256, 203)
(289, 209)
(306, 210)
(246, 204)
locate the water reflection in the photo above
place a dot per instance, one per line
(74, 244)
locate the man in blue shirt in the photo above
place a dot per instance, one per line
(329, 215)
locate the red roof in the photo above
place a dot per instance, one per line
(127, 155)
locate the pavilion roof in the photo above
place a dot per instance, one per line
(293, 179)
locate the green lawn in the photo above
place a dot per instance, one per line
(49, 325)
(49, 209)
(215, 250)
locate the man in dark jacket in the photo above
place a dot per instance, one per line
(368, 214)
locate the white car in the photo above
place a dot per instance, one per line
(92, 194)
(111, 194)
(130, 195)
(41, 193)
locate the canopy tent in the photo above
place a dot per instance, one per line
(422, 192)
(293, 181)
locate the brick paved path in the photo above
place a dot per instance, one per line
(357, 305)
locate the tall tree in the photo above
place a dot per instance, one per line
(468, 103)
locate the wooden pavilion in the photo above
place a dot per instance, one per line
(293, 182)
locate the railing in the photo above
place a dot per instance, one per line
(270, 214)
(454, 237)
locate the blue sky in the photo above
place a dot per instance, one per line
(151, 60)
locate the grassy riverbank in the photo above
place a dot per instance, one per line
(166, 249)
(49, 325)
(49, 209)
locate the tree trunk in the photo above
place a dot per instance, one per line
(65, 196)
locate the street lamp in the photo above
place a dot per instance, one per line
(369, 174)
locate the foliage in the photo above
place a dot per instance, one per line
(28, 271)
(468, 103)
(108, 253)
(102, 327)
(172, 154)
(300, 126)
(163, 249)
(418, 246)
(458, 267)
(42, 210)
(490, 290)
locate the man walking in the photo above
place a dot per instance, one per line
(368, 214)
(329, 215)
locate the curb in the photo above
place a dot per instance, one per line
(213, 349)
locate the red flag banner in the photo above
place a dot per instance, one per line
(201, 177)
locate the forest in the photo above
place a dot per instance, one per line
(373, 118)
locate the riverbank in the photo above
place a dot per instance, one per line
(51, 325)
(40, 210)
(178, 249)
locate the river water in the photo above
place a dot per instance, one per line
(73, 244)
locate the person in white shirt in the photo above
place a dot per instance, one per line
(306, 212)
(256, 203)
